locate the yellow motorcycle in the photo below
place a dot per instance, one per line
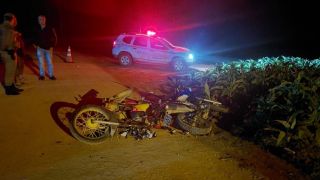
(92, 123)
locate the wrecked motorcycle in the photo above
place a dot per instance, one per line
(185, 110)
(94, 123)
(196, 118)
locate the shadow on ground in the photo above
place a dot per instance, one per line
(62, 112)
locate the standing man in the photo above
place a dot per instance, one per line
(8, 47)
(45, 40)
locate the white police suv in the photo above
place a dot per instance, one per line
(128, 48)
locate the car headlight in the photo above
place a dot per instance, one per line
(190, 58)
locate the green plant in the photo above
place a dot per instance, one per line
(274, 102)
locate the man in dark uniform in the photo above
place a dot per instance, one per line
(8, 47)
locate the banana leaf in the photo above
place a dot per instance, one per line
(284, 123)
(281, 136)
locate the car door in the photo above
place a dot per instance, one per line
(158, 51)
(140, 48)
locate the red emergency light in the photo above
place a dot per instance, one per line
(151, 33)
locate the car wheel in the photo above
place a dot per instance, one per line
(178, 64)
(125, 59)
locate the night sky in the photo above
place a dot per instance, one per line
(231, 28)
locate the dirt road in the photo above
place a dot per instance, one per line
(35, 143)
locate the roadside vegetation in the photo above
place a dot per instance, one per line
(274, 102)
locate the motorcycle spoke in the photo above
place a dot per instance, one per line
(80, 124)
(81, 117)
(84, 130)
(91, 134)
(87, 114)
(100, 132)
(94, 114)
(101, 117)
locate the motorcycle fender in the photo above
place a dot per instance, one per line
(178, 108)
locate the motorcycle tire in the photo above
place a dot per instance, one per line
(193, 129)
(83, 127)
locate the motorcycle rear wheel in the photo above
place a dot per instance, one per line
(85, 129)
(194, 130)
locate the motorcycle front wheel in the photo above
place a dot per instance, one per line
(86, 126)
(199, 129)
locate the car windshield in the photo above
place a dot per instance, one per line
(167, 43)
